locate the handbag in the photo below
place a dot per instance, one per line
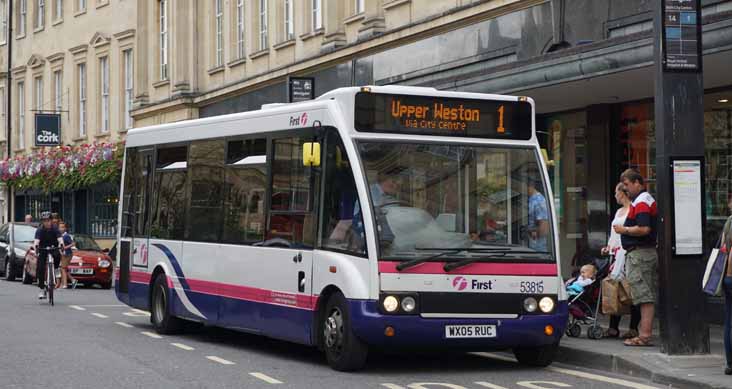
(624, 293)
(611, 302)
(714, 272)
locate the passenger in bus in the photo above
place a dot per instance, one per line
(538, 223)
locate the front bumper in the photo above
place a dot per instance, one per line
(99, 276)
(414, 331)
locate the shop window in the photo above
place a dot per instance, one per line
(718, 158)
(638, 141)
(103, 218)
(342, 220)
(206, 177)
(169, 204)
(245, 187)
(291, 219)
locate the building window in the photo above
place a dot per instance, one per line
(3, 105)
(81, 69)
(127, 54)
(317, 14)
(58, 91)
(21, 115)
(58, 10)
(359, 6)
(289, 22)
(4, 21)
(262, 24)
(40, 13)
(240, 32)
(81, 5)
(22, 12)
(219, 22)
(38, 81)
(104, 93)
(163, 20)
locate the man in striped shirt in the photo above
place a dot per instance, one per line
(638, 237)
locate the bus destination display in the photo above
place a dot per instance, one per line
(424, 115)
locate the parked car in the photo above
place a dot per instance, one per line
(89, 263)
(11, 264)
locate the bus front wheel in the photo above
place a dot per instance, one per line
(160, 315)
(536, 356)
(343, 350)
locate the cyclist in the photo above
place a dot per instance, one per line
(47, 235)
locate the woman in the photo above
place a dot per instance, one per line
(726, 244)
(615, 249)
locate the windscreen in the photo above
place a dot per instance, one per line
(429, 198)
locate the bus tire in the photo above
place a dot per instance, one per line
(536, 356)
(343, 350)
(160, 309)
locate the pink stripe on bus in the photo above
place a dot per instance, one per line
(494, 269)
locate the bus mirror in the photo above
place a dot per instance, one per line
(311, 154)
(545, 156)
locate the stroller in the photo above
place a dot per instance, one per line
(584, 308)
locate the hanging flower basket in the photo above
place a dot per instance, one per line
(64, 168)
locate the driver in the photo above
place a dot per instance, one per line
(385, 190)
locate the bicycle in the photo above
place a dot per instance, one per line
(50, 271)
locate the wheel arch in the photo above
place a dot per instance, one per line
(320, 304)
(159, 269)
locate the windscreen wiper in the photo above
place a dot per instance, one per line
(417, 261)
(494, 253)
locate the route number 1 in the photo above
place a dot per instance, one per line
(500, 128)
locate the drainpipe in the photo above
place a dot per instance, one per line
(9, 99)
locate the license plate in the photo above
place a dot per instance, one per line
(470, 331)
(81, 271)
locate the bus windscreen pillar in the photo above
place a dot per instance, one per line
(679, 117)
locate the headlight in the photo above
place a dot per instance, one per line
(391, 303)
(104, 263)
(546, 304)
(530, 304)
(408, 304)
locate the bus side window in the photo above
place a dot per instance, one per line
(245, 183)
(169, 203)
(205, 195)
(291, 217)
(342, 219)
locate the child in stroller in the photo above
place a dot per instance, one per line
(584, 293)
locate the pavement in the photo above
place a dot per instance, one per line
(610, 355)
(90, 340)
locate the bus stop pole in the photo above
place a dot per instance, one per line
(679, 123)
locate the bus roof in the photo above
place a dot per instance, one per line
(278, 116)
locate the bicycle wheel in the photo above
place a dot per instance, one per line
(50, 280)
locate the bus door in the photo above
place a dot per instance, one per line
(140, 192)
(290, 238)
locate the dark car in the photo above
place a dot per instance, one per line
(89, 263)
(22, 235)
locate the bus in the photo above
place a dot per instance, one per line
(371, 218)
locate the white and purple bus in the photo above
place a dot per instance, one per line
(381, 217)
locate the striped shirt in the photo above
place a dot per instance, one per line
(642, 213)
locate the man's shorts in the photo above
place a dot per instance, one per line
(642, 274)
(65, 260)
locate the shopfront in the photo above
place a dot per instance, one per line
(91, 211)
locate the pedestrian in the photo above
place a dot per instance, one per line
(726, 247)
(638, 237)
(615, 249)
(29, 218)
(66, 254)
(55, 219)
(538, 223)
